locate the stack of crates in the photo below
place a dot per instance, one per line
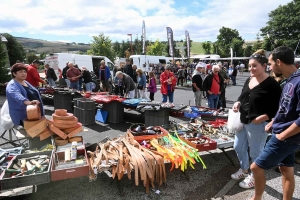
(85, 110)
(156, 117)
(63, 100)
(115, 111)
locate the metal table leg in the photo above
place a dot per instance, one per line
(228, 157)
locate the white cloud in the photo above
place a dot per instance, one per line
(117, 18)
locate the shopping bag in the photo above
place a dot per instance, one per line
(234, 123)
(6, 121)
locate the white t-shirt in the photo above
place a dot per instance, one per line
(242, 66)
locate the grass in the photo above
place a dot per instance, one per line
(196, 47)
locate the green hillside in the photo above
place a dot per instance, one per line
(197, 48)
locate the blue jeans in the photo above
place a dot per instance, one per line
(74, 85)
(165, 97)
(51, 82)
(213, 100)
(277, 152)
(88, 87)
(233, 78)
(252, 136)
(80, 84)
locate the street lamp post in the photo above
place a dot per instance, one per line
(131, 50)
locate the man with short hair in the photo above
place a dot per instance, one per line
(33, 76)
(50, 75)
(285, 140)
(128, 84)
(64, 74)
(128, 68)
(197, 83)
(212, 84)
(73, 74)
(222, 100)
(104, 75)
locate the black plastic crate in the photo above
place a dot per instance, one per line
(85, 116)
(156, 118)
(63, 100)
(36, 143)
(115, 112)
(26, 180)
(84, 103)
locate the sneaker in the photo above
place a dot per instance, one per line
(239, 175)
(247, 183)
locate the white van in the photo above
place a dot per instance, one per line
(58, 61)
(140, 60)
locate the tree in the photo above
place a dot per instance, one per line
(3, 63)
(156, 49)
(283, 27)
(15, 49)
(229, 38)
(101, 46)
(117, 49)
(42, 55)
(248, 51)
(31, 57)
(125, 46)
(207, 47)
(258, 43)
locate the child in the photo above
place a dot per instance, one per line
(152, 85)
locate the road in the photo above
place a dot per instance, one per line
(202, 184)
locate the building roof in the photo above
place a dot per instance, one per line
(3, 39)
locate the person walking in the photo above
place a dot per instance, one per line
(87, 79)
(212, 84)
(135, 80)
(168, 83)
(197, 83)
(128, 68)
(233, 75)
(50, 75)
(180, 73)
(241, 69)
(285, 127)
(257, 104)
(141, 83)
(64, 74)
(152, 85)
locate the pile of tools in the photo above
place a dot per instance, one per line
(27, 166)
(123, 155)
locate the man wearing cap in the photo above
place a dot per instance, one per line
(197, 83)
(33, 76)
(50, 75)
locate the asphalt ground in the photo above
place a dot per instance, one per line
(195, 184)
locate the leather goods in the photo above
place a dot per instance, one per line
(75, 139)
(58, 132)
(45, 134)
(61, 125)
(71, 121)
(76, 131)
(33, 112)
(60, 142)
(60, 112)
(37, 128)
(69, 130)
(66, 117)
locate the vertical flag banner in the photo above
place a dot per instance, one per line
(170, 41)
(231, 54)
(144, 37)
(187, 37)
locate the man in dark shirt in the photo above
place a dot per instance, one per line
(285, 126)
(50, 75)
(73, 75)
(64, 74)
(197, 83)
(128, 68)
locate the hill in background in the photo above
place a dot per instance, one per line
(44, 46)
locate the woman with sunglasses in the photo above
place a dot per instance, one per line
(258, 104)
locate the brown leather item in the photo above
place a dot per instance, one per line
(75, 139)
(69, 130)
(33, 112)
(58, 132)
(60, 125)
(28, 124)
(38, 128)
(60, 142)
(60, 112)
(67, 117)
(45, 134)
(75, 132)
(74, 120)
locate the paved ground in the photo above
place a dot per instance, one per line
(202, 184)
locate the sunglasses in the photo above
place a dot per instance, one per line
(257, 56)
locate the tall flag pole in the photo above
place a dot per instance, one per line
(144, 40)
(188, 50)
(170, 41)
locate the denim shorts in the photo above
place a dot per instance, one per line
(277, 152)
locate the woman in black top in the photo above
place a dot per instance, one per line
(258, 104)
(87, 79)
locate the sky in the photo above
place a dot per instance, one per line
(79, 20)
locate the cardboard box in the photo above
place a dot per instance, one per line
(211, 145)
(72, 172)
(57, 131)
(45, 134)
(28, 124)
(37, 129)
